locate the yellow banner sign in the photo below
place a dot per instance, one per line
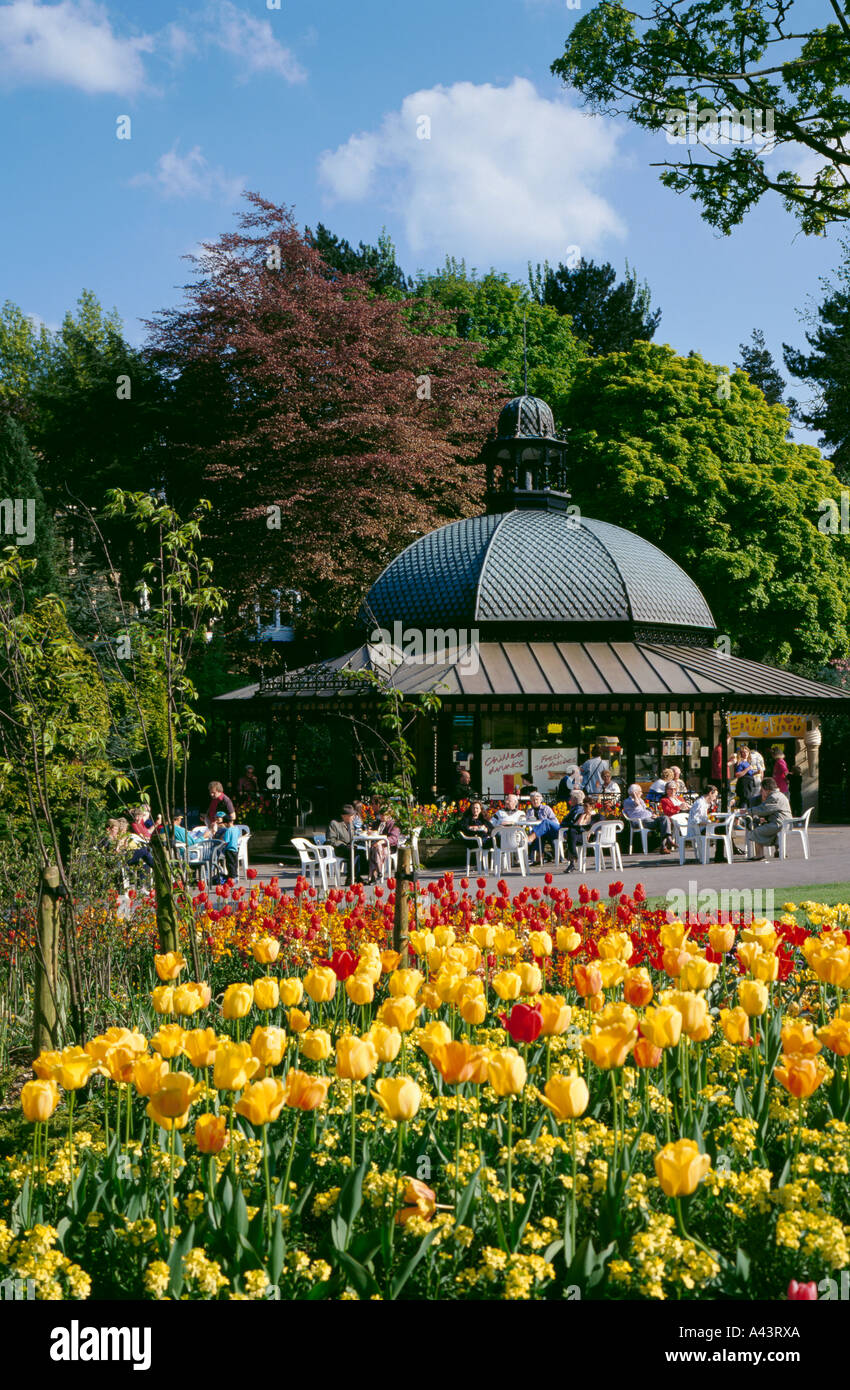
(767, 725)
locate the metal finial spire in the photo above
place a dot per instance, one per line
(524, 355)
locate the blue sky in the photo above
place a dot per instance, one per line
(318, 106)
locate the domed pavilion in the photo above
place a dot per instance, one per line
(545, 634)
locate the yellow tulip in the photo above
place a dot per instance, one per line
(148, 1073)
(674, 960)
(119, 1063)
(360, 989)
(399, 1096)
(176, 1093)
(200, 1046)
(618, 1012)
(753, 997)
(210, 1133)
(507, 984)
(266, 950)
(400, 1013)
(320, 984)
(355, 1057)
(262, 1101)
(800, 1076)
(237, 1001)
(444, 936)
(833, 967)
(406, 982)
(721, 938)
(186, 1000)
(506, 1072)
(609, 1046)
(566, 1096)
(268, 1045)
(291, 992)
(429, 998)
(316, 1045)
(39, 1099)
(169, 965)
(266, 993)
(160, 1118)
(587, 979)
(540, 943)
(162, 999)
(299, 1021)
(662, 1025)
(505, 941)
(637, 987)
(168, 1040)
(234, 1066)
(673, 935)
(836, 1036)
(555, 1014)
(735, 1025)
(531, 978)
(473, 1009)
(616, 945)
(386, 1041)
(73, 1069)
(483, 935)
(698, 973)
(680, 1168)
(306, 1092)
(613, 972)
(567, 939)
(389, 961)
(692, 1007)
(422, 941)
(202, 989)
(45, 1064)
(434, 1035)
(766, 967)
(798, 1039)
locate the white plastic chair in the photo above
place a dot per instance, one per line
(313, 863)
(642, 828)
(602, 839)
(797, 825)
(719, 831)
(480, 853)
(242, 852)
(511, 844)
(683, 839)
(333, 866)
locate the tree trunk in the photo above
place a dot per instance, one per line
(167, 921)
(46, 987)
(404, 874)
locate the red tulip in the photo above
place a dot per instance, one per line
(802, 1292)
(524, 1022)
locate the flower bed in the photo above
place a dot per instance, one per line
(550, 1098)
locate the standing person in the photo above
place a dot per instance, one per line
(248, 784)
(569, 783)
(757, 765)
(636, 809)
(543, 825)
(780, 769)
(575, 823)
(231, 836)
(218, 802)
(743, 776)
(463, 790)
(795, 790)
(591, 773)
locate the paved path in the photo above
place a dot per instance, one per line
(663, 876)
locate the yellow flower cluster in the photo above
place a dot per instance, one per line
(815, 1233)
(661, 1262)
(31, 1256)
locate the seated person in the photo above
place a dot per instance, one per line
(341, 836)
(611, 789)
(658, 788)
(248, 784)
(769, 817)
(510, 814)
(143, 824)
(474, 823)
(575, 822)
(636, 809)
(543, 825)
(701, 809)
(178, 829)
(380, 851)
(672, 802)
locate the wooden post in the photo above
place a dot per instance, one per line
(46, 985)
(724, 779)
(167, 921)
(401, 913)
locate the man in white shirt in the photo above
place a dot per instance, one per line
(510, 814)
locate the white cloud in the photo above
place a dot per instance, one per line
(251, 41)
(190, 176)
(505, 173)
(71, 43)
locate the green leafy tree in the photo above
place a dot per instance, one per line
(695, 460)
(757, 361)
(24, 513)
(606, 314)
(825, 367)
(377, 263)
(758, 56)
(503, 316)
